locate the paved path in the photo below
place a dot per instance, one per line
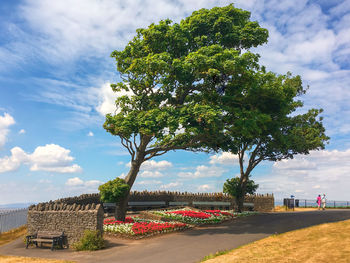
(191, 245)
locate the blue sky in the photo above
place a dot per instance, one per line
(55, 71)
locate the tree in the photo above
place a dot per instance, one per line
(261, 121)
(233, 187)
(171, 69)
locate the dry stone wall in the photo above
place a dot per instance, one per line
(72, 219)
(83, 199)
(261, 202)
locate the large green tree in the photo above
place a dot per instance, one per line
(172, 71)
(265, 120)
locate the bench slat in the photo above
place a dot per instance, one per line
(42, 240)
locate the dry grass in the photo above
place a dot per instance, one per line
(323, 243)
(13, 259)
(9, 236)
(296, 209)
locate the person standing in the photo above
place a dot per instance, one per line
(323, 200)
(318, 201)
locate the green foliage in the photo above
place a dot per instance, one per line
(92, 240)
(261, 117)
(172, 70)
(233, 187)
(113, 191)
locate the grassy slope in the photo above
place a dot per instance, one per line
(323, 243)
(9, 236)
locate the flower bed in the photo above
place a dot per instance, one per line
(195, 217)
(138, 227)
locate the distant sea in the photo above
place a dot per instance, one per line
(14, 206)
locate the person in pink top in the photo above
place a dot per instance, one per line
(318, 202)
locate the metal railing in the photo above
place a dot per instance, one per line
(329, 203)
(312, 203)
(10, 219)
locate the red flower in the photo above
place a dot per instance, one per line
(140, 228)
(112, 221)
(193, 214)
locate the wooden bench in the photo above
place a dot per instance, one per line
(54, 237)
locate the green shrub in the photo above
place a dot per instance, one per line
(233, 187)
(113, 190)
(92, 240)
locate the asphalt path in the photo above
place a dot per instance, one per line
(190, 245)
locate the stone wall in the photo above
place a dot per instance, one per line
(72, 219)
(177, 196)
(83, 199)
(261, 202)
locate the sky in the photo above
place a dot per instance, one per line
(55, 72)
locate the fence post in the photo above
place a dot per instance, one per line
(305, 203)
(334, 203)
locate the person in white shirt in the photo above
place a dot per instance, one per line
(323, 200)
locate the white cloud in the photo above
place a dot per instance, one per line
(22, 131)
(148, 182)
(77, 182)
(171, 186)
(225, 158)
(150, 174)
(203, 171)
(122, 176)
(326, 171)
(204, 188)
(45, 181)
(152, 165)
(93, 183)
(107, 99)
(94, 28)
(300, 164)
(51, 158)
(90, 134)
(5, 122)
(13, 162)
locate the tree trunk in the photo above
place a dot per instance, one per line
(120, 211)
(243, 186)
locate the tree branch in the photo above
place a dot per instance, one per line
(137, 148)
(155, 154)
(126, 143)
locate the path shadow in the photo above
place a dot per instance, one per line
(271, 223)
